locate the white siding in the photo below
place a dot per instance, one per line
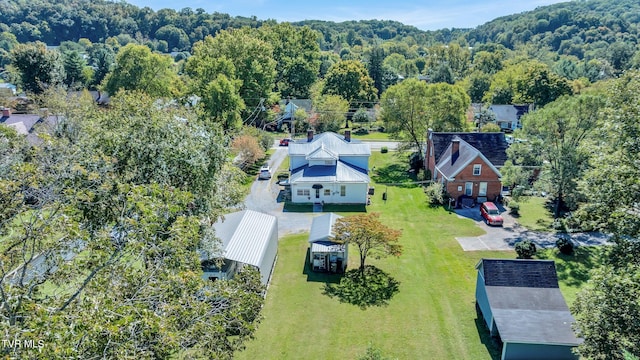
(356, 160)
(296, 161)
(354, 194)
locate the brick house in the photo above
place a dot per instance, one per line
(467, 164)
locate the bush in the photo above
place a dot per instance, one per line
(525, 249)
(514, 207)
(384, 150)
(361, 131)
(436, 194)
(564, 245)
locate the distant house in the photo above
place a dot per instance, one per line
(467, 164)
(324, 254)
(508, 116)
(249, 238)
(522, 305)
(8, 89)
(329, 168)
(25, 124)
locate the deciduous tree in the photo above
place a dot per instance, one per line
(350, 80)
(39, 68)
(369, 235)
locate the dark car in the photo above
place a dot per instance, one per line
(490, 213)
(285, 142)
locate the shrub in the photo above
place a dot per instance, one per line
(384, 150)
(564, 245)
(361, 116)
(525, 249)
(514, 207)
(436, 194)
(361, 131)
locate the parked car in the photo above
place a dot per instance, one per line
(285, 142)
(490, 213)
(265, 172)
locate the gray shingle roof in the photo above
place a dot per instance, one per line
(341, 172)
(526, 302)
(466, 154)
(492, 145)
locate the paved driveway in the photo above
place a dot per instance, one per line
(263, 197)
(505, 237)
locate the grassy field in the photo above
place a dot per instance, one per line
(533, 213)
(432, 314)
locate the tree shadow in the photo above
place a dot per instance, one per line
(493, 345)
(371, 287)
(574, 269)
(396, 174)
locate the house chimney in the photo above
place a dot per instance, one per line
(347, 135)
(6, 112)
(455, 149)
(309, 135)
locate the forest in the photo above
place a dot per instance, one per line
(134, 184)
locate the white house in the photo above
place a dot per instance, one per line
(248, 238)
(508, 116)
(329, 168)
(324, 254)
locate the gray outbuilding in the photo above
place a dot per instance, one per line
(248, 238)
(521, 304)
(325, 254)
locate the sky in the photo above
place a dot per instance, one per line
(423, 14)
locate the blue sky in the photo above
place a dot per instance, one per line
(425, 14)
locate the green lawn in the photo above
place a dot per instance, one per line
(533, 213)
(432, 315)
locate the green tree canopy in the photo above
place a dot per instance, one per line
(39, 68)
(137, 68)
(350, 80)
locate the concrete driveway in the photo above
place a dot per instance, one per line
(505, 237)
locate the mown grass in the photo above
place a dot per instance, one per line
(534, 215)
(431, 313)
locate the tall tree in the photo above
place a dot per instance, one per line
(74, 69)
(39, 68)
(369, 235)
(350, 80)
(563, 128)
(137, 68)
(332, 113)
(411, 107)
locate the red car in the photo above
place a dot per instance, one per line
(285, 142)
(490, 213)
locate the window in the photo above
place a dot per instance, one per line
(328, 162)
(303, 192)
(327, 192)
(477, 169)
(482, 191)
(343, 190)
(468, 188)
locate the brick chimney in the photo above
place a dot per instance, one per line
(6, 112)
(309, 135)
(347, 135)
(455, 149)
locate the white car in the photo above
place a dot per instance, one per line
(265, 172)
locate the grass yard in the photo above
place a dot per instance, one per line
(433, 312)
(431, 316)
(534, 215)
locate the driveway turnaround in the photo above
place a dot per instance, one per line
(505, 237)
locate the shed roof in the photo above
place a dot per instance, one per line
(330, 141)
(322, 227)
(492, 145)
(327, 247)
(245, 235)
(341, 172)
(526, 302)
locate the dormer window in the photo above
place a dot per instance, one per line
(477, 169)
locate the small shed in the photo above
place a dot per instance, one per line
(248, 238)
(324, 254)
(522, 305)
